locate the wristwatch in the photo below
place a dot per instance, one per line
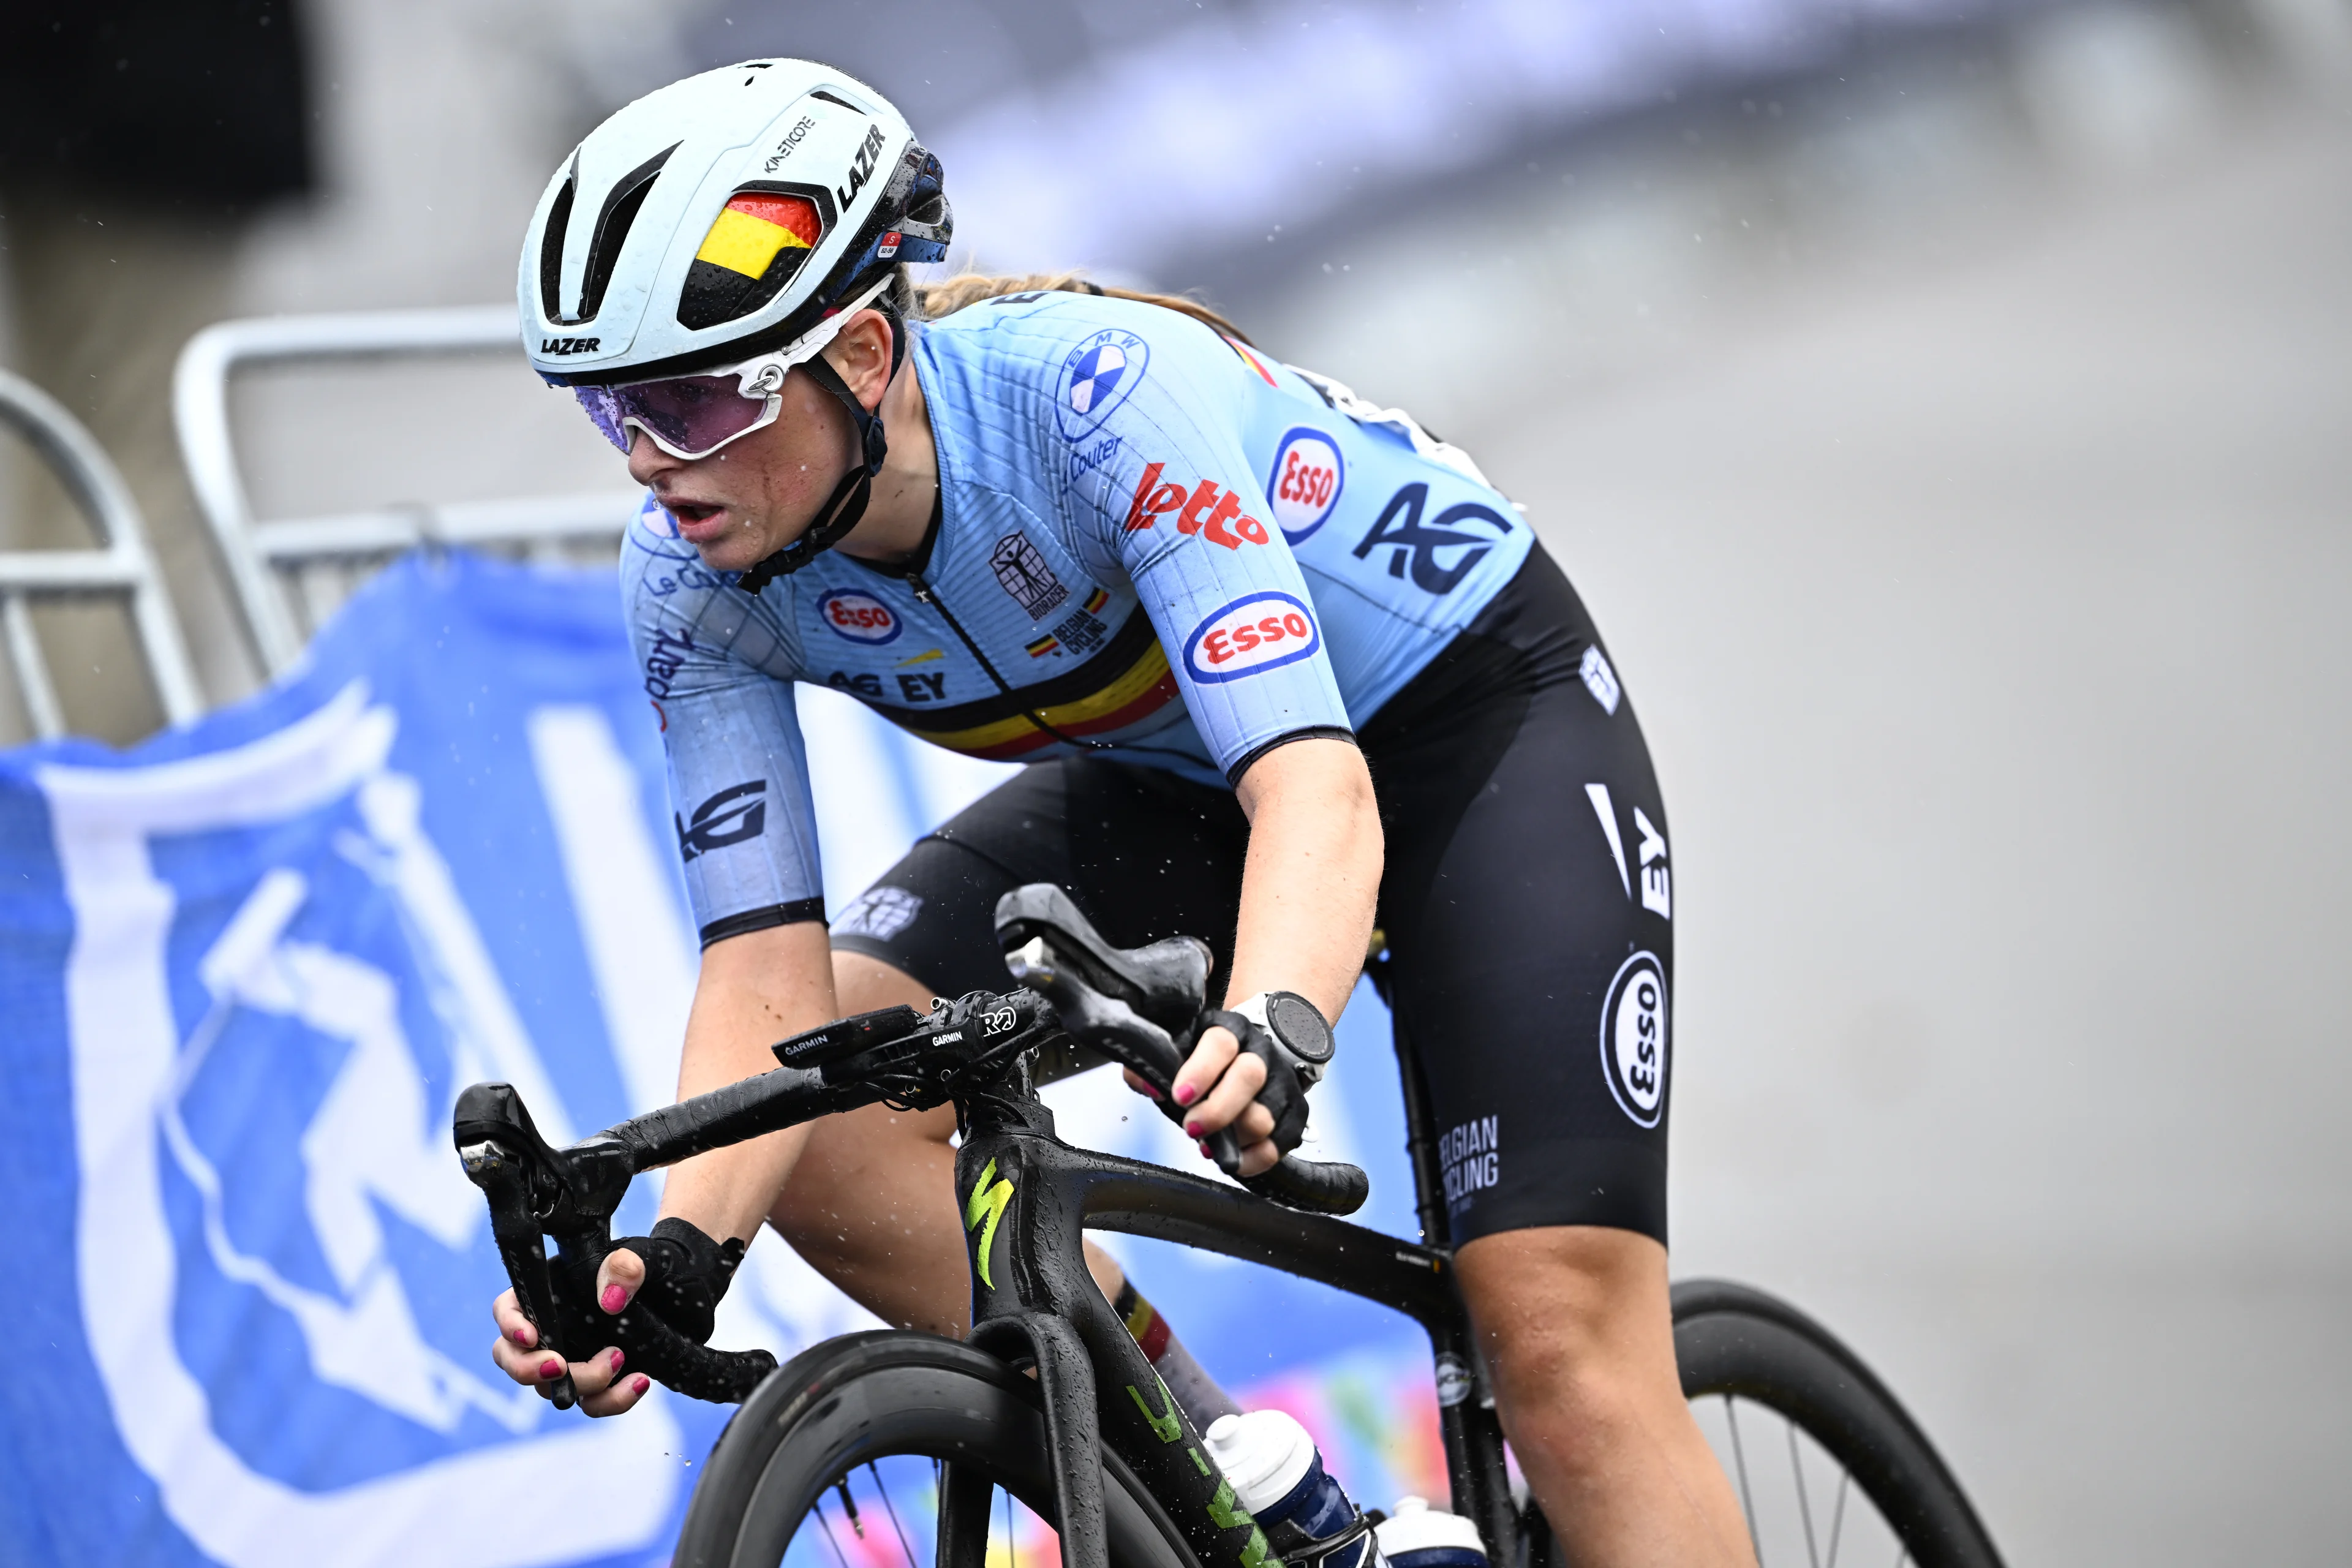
(1297, 1026)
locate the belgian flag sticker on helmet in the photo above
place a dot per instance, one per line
(758, 241)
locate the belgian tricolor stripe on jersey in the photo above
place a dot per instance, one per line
(759, 239)
(1082, 701)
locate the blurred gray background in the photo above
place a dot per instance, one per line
(1943, 409)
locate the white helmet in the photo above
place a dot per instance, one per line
(721, 217)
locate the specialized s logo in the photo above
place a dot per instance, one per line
(1401, 529)
(1255, 633)
(1096, 377)
(733, 815)
(859, 616)
(982, 1211)
(1633, 1039)
(1308, 475)
(1208, 508)
(861, 168)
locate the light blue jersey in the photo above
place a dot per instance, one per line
(1151, 540)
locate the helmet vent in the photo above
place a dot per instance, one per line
(844, 103)
(621, 206)
(551, 249)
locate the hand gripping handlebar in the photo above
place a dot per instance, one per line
(534, 1192)
(1142, 1008)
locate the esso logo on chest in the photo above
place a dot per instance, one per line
(859, 615)
(1305, 484)
(1261, 632)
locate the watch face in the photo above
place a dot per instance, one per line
(1299, 1024)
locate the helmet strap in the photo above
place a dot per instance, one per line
(847, 505)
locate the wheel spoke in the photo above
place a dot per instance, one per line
(1739, 1459)
(892, 1510)
(1804, 1505)
(1837, 1516)
(826, 1524)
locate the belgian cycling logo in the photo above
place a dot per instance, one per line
(1305, 482)
(1254, 634)
(1408, 539)
(1021, 571)
(859, 616)
(1097, 378)
(879, 913)
(1471, 1157)
(734, 816)
(1633, 1039)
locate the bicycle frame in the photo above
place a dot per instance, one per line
(1026, 1198)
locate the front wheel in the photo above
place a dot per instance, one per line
(1829, 1466)
(900, 1450)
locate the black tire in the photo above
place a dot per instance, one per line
(850, 1402)
(1742, 1344)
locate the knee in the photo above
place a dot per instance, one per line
(1575, 1327)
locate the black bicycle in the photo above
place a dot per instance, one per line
(885, 1448)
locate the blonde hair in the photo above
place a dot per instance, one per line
(950, 295)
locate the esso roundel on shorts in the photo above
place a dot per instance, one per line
(719, 217)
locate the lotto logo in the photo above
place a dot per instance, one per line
(1208, 508)
(1305, 482)
(1260, 632)
(859, 616)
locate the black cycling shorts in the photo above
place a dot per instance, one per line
(1526, 900)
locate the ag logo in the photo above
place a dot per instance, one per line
(1096, 377)
(1305, 482)
(1633, 1039)
(1258, 632)
(736, 814)
(1415, 544)
(859, 616)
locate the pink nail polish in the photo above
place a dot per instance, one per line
(550, 1370)
(614, 1298)
(1186, 1094)
(520, 1336)
(617, 1360)
(641, 1383)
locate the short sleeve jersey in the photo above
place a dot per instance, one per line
(1151, 540)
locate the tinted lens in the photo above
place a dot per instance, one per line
(690, 415)
(598, 403)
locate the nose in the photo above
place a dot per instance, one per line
(647, 461)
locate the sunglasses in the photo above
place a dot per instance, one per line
(692, 417)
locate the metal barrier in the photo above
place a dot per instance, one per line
(258, 554)
(122, 567)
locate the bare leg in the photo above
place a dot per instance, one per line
(871, 1204)
(1580, 1339)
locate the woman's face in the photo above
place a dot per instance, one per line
(748, 499)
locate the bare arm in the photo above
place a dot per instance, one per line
(1309, 889)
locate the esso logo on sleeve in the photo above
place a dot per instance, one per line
(1305, 485)
(1261, 632)
(858, 615)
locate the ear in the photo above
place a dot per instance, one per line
(860, 352)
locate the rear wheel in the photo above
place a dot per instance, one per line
(1829, 1466)
(900, 1450)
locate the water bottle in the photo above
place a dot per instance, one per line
(1279, 1478)
(1420, 1536)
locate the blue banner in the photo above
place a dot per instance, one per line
(245, 968)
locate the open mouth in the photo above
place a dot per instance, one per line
(688, 512)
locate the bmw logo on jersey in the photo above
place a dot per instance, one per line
(1096, 377)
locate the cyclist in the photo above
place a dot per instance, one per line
(1280, 665)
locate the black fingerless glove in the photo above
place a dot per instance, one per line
(1295, 1044)
(686, 1274)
